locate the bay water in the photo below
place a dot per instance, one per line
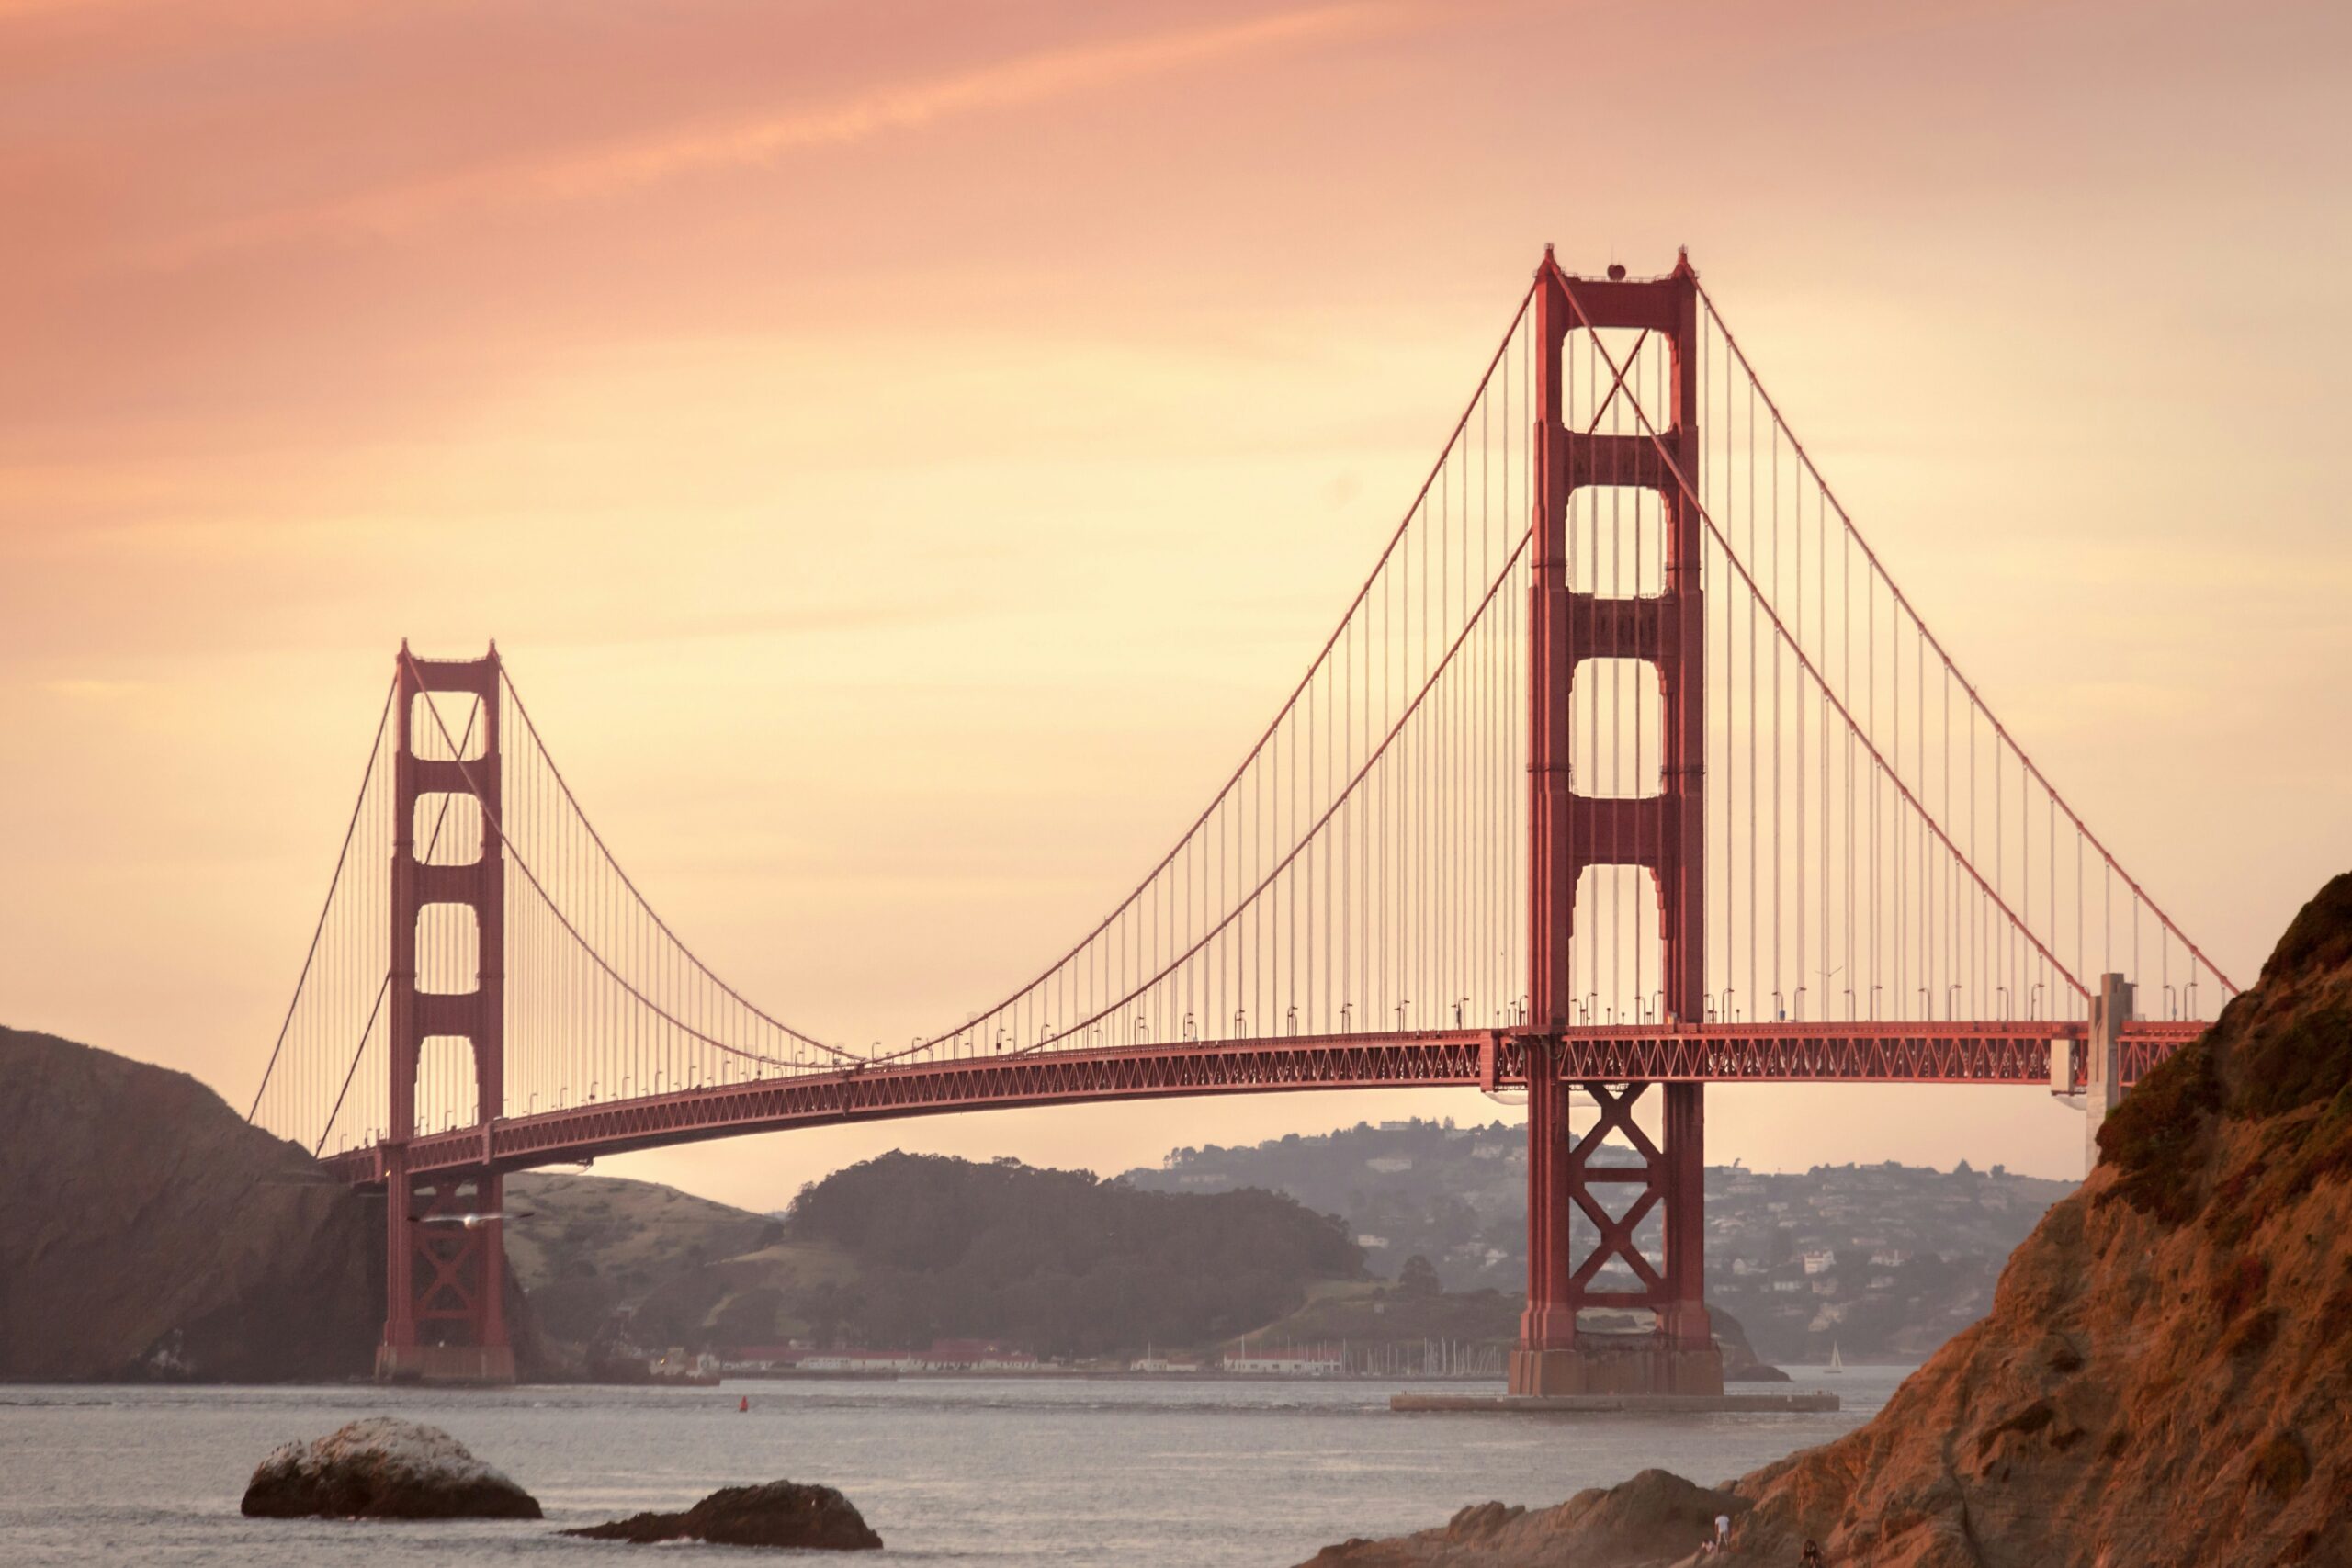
(965, 1471)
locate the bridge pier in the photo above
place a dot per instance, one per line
(1556, 1355)
(2103, 1061)
(446, 1292)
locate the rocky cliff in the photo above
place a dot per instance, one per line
(2163, 1379)
(146, 1231)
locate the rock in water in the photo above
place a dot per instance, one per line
(1651, 1521)
(383, 1469)
(782, 1513)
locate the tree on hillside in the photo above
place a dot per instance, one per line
(1057, 1262)
(1418, 1280)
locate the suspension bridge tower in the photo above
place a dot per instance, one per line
(1573, 830)
(445, 1318)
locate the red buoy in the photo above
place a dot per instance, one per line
(745, 1405)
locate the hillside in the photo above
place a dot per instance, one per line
(1058, 1262)
(903, 1250)
(147, 1232)
(1886, 1262)
(594, 1245)
(2163, 1379)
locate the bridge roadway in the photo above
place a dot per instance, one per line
(1915, 1053)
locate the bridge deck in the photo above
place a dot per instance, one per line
(1917, 1053)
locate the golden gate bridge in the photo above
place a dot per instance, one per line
(1628, 769)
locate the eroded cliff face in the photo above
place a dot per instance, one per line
(146, 1231)
(2163, 1379)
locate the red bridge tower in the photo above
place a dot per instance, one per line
(444, 1287)
(1570, 830)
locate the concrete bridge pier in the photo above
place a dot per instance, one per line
(1557, 1356)
(2103, 1060)
(446, 1296)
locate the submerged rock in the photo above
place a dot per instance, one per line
(383, 1468)
(782, 1513)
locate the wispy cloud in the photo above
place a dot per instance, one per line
(1012, 84)
(756, 140)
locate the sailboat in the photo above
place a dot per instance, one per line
(1836, 1361)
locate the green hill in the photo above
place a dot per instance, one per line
(597, 1245)
(905, 1249)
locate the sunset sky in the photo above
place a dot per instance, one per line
(905, 452)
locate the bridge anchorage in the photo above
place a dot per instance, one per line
(1628, 770)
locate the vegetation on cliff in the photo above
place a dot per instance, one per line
(2281, 1053)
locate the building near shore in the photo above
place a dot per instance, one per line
(944, 1356)
(860, 1361)
(975, 1356)
(1316, 1361)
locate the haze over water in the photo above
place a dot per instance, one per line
(1207, 1475)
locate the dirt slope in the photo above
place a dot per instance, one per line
(2164, 1378)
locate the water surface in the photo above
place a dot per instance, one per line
(949, 1471)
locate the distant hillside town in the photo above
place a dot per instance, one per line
(1881, 1261)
